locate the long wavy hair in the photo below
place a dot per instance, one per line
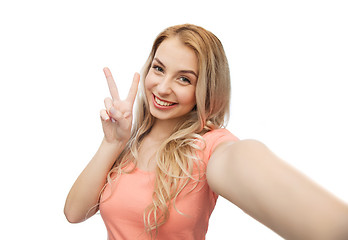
(176, 159)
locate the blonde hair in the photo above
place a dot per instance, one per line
(176, 159)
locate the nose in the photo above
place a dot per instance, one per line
(164, 87)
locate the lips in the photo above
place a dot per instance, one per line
(162, 104)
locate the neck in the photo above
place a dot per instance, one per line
(162, 129)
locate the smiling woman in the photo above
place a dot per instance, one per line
(160, 177)
(171, 82)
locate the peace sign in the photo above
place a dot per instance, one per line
(117, 116)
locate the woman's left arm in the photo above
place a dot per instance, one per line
(249, 175)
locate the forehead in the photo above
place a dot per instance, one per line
(174, 53)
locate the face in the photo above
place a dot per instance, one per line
(171, 81)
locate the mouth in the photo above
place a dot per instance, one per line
(160, 103)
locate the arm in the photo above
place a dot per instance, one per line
(249, 175)
(84, 195)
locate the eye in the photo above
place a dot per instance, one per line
(185, 80)
(158, 68)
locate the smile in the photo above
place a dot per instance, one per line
(162, 103)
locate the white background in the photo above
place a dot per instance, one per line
(288, 64)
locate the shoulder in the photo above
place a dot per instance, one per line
(208, 142)
(218, 133)
(214, 138)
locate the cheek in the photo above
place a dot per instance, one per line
(149, 81)
(188, 97)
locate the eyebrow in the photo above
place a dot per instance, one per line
(181, 71)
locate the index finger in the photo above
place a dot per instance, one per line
(111, 83)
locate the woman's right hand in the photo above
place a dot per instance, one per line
(118, 114)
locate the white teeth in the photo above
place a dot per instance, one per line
(159, 102)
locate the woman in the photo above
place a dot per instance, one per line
(160, 176)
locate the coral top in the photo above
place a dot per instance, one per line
(122, 208)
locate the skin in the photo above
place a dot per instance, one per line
(246, 172)
(116, 120)
(249, 175)
(172, 78)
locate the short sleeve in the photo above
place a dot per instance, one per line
(214, 138)
(210, 141)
